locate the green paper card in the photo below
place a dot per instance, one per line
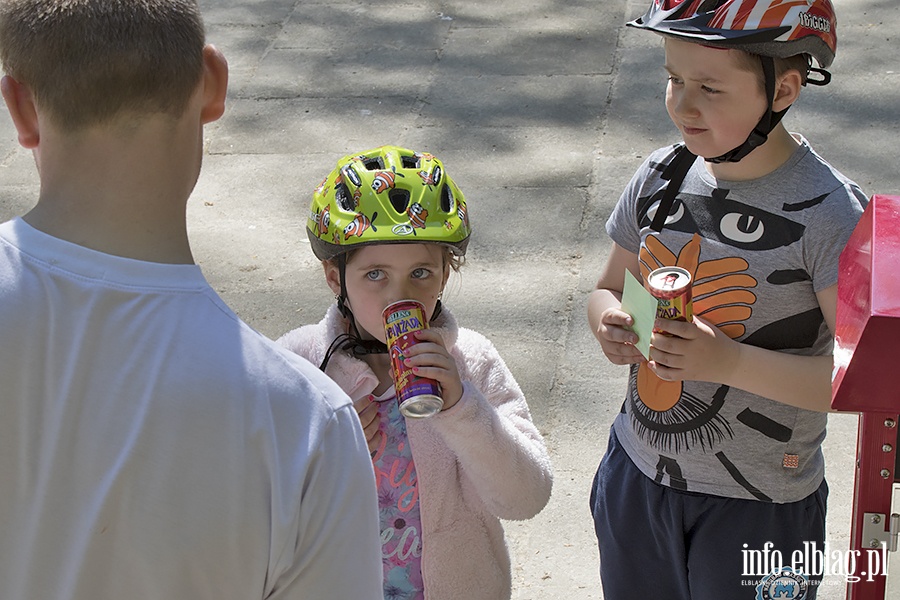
(641, 305)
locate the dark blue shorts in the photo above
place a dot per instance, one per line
(658, 542)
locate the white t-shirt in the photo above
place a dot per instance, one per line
(153, 446)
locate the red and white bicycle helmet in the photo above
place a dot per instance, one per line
(775, 28)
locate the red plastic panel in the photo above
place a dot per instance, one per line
(868, 313)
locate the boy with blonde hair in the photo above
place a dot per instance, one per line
(152, 445)
(717, 449)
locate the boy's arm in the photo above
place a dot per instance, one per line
(706, 354)
(610, 325)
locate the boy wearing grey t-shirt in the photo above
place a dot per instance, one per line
(717, 450)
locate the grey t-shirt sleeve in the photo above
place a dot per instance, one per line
(829, 231)
(622, 225)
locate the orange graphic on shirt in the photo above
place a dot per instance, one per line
(721, 295)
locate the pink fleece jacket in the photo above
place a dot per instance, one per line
(478, 462)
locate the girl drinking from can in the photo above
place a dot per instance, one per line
(390, 225)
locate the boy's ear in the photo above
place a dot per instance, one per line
(215, 84)
(787, 89)
(23, 111)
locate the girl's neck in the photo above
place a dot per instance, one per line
(381, 366)
(380, 363)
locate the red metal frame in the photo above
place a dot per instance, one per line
(872, 494)
(866, 336)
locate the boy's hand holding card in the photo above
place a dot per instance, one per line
(641, 305)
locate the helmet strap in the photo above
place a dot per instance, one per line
(352, 342)
(342, 298)
(825, 80)
(674, 173)
(347, 342)
(677, 169)
(437, 310)
(766, 124)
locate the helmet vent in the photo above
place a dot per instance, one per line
(399, 199)
(374, 164)
(351, 174)
(410, 162)
(446, 198)
(343, 197)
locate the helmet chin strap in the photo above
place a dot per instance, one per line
(677, 169)
(766, 124)
(349, 342)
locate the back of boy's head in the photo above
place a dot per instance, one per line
(387, 195)
(88, 62)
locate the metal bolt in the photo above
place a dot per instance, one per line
(887, 447)
(885, 473)
(876, 519)
(874, 544)
(890, 423)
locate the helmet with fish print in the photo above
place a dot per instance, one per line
(383, 196)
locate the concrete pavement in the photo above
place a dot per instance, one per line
(541, 110)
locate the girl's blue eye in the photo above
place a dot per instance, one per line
(421, 273)
(374, 275)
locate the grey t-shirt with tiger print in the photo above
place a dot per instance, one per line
(758, 252)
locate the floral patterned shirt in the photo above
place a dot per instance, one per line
(398, 503)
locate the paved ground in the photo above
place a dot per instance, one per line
(541, 111)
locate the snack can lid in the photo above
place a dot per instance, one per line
(669, 279)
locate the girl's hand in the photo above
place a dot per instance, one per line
(616, 338)
(367, 409)
(430, 358)
(696, 351)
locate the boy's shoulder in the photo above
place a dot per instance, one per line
(651, 174)
(659, 159)
(807, 179)
(817, 164)
(805, 172)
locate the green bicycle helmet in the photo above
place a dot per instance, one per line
(383, 196)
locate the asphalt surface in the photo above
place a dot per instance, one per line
(541, 110)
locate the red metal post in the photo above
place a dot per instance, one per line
(872, 493)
